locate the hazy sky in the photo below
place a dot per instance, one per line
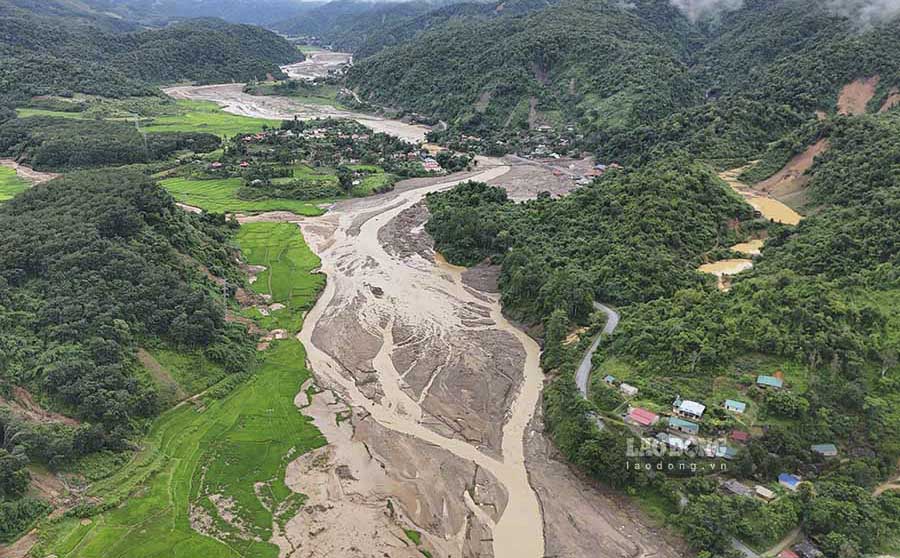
(866, 12)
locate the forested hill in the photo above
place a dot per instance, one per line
(41, 55)
(607, 68)
(580, 61)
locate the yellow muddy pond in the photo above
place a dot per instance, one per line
(751, 248)
(726, 268)
(774, 210)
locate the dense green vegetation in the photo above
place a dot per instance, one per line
(95, 265)
(215, 448)
(629, 79)
(49, 143)
(819, 309)
(632, 236)
(579, 63)
(55, 55)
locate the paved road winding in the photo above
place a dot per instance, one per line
(583, 374)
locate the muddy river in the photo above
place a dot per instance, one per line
(317, 64)
(440, 399)
(429, 397)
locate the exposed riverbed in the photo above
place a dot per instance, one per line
(432, 397)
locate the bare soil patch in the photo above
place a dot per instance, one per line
(789, 184)
(583, 519)
(24, 406)
(893, 99)
(29, 174)
(855, 96)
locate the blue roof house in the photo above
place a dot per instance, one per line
(789, 481)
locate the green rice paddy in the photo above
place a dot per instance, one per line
(220, 196)
(204, 116)
(10, 184)
(215, 450)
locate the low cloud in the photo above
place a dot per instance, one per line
(866, 12)
(697, 9)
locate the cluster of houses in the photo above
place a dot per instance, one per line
(682, 433)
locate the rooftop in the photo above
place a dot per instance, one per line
(738, 406)
(676, 422)
(788, 479)
(642, 416)
(825, 449)
(692, 407)
(770, 381)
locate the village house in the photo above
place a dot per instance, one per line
(735, 406)
(674, 442)
(764, 493)
(737, 488)
(769, 382)
(789, 481)
(825, 450)
(726, 452)
(641, 417)
(685, 426)
(739, 436)
(609, 380)
(787, 553)
(688, 409)
(628, 390)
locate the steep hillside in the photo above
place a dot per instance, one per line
(159, 12)
(587, 64)
(630, 77)
(57, 55)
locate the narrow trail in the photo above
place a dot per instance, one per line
(424, 296)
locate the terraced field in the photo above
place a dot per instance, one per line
(220, 196)
(216, 464)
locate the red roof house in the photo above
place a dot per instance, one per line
(740, 436)
(642, 416)
(787, 553)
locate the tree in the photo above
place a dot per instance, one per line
(345, 178)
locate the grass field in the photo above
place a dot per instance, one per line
(220, 196)
(10, 184)
(222, 448)
(183, 116)
(202, 116)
